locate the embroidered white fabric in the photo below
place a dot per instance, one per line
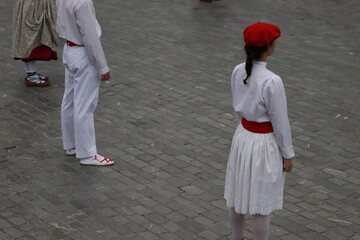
(254, 177)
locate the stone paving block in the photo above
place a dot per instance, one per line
(148, 235)
(13, 232)
(154, 228)
(347, 233)
(312, 236)
(209, 235)
(355, 237)
(4, 224)
(162, 210)
(17, 220)
(58, 234)
(278, 231)
(6, 214)
(43, 237)
(168, 236)
(204, 221)
(290, 237)
(185, 234)
(316, 227)
(333, 235)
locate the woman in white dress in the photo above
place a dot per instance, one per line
(262, 147)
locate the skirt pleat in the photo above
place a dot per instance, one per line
(254, 178)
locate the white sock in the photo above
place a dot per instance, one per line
(261, 227)
(237, 224)
(30, 67)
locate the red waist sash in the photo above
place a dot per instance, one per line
(255, 127)
(71, 44)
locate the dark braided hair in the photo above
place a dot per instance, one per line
(252, 53)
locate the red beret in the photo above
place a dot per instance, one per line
(261, 34)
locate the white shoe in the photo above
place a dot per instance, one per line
(97, 160)
(71, 152)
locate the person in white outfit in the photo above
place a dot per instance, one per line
(85, 65)
(262, 149)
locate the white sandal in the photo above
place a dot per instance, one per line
(71, 152)
(97, 160)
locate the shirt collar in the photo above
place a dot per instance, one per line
(259, 63)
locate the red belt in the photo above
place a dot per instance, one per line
(255, 127)
(71, 44)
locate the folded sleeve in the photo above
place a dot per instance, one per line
(276, 106)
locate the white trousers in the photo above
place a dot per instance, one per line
(79, 102)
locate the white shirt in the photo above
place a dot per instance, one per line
(76, 22)
(263, 99)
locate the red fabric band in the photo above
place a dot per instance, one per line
(264, 127)
(42, 53)
(71, 44)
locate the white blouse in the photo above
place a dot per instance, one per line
(76, 22)
(263, 99)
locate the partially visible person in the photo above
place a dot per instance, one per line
(261, 150)
(85, 66)
(34, 37)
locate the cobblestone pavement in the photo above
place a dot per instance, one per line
(166, 118)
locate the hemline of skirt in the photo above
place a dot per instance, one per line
(256, 211)
(35, 59)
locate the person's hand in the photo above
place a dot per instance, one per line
(287, 164)
(105, 77)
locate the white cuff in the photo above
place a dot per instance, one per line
(104, 70)
(288, 152)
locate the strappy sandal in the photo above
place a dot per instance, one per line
(36, 81)
(42, 77)
(97, 160)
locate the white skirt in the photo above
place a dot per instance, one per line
(254, 177)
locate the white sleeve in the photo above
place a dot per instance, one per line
(86, 22)
(233, 78)
(275, 101)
